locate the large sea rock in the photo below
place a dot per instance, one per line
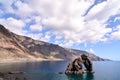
(75, 67)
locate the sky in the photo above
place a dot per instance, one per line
(90, 25)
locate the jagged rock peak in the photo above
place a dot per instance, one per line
(2, 28)
(4, 31)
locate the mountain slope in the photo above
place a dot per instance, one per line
(16, 47)
(10, 49)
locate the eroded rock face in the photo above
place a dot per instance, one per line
(75, 67)
(87, 63)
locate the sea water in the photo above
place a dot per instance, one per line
(49, 70)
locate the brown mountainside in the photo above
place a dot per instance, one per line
(16, 47)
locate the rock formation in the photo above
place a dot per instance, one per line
(87, 63)
(75, 67)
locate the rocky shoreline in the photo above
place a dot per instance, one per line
(27, 60)
(12, 75)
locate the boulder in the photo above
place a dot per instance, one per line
(7, 75)
(16, 72)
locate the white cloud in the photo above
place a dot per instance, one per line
(7, 5)
(23, 9)
(14, 25)
(91, 50)
(36, 27)
(116, 34)
(46, 37)
(64, 19)
(34, 36)
(117, 18)
(60, 8)
(14, 22)
(104, 10)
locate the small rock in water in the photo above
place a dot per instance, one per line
(16, 72)
(60, 72)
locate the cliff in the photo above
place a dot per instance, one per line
(16, 47)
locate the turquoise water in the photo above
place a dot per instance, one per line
(48, 70)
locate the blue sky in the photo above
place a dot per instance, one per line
(90, 25)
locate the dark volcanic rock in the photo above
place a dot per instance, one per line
(16, 72)
(75, 67)
(12, 75)
(87, 63)
(4, 31)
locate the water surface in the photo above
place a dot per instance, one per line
(48, 70)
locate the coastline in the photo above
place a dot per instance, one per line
(20, 60)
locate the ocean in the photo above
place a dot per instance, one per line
(49, 70)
